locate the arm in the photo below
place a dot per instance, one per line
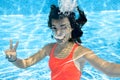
(23, 63)
(111, 69)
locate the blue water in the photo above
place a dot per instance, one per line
(26, 21)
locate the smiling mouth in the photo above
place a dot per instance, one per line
(60, 40)
(59, 37)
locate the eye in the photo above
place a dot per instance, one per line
(54, 28)
(63, 26)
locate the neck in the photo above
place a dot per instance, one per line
(66, 44)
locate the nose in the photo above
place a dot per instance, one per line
(59, 32)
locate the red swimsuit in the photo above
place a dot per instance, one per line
(63, 69)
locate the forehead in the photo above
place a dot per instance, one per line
(60, 21)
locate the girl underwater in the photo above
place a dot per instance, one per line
(67, 55)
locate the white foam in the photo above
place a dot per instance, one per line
(67, 5)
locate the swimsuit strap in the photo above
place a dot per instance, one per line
(74, 47)
(52, 50)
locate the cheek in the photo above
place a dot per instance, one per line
(68, 35)
(69, 32)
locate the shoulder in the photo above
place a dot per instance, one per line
(82, 51)
(86, 53)
(48, 48)
(49, 45)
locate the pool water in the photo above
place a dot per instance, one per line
(101, 34)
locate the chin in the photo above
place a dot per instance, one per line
(60, 41)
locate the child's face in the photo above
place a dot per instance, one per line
(61, 29)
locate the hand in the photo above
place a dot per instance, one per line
(11, 52)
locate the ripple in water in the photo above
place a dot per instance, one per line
(100, 34)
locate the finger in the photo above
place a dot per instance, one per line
(8, 56)
(6, 52)
(11, 44)
(15, 47)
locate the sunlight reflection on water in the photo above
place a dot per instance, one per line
(101, 34)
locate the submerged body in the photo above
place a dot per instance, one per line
(67, 55)
(60, 66)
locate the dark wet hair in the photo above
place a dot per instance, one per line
(76, 24)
